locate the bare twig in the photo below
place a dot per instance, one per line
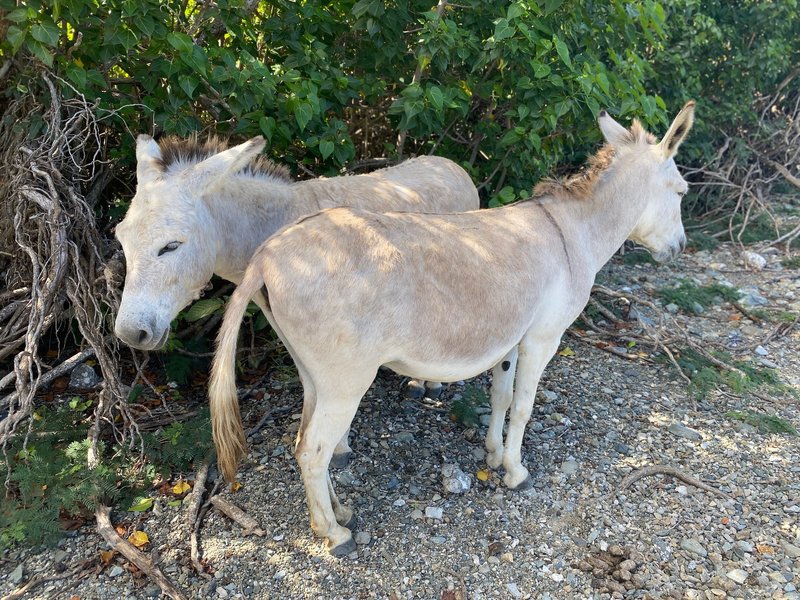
(81, 565)
(193, 520)
(671, 471)
(248, 523)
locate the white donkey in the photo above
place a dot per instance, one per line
(508, 282)
(201, 209)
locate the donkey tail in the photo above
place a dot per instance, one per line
(226, 420)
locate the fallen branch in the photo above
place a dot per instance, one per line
(193, 518)
(129, 551)
(671, 471)
(248, 523)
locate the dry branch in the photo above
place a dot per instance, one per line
(248, 523)
(671, 471)
(129, 551)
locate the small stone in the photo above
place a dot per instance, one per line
(513, 590)
(790, 550)
(439, 539)
(751, 297)
(761, 351)
(549, 396)
(692, 545)
(434, 512)
(753, 261)
(507, 557)
(569, 467)
(738, 575)
(767, 363)
(416, 514)
(688, 433)
(363, 538)
(222, 592)
(671, 308)
(777, 577)
(83, 377)
(698, 308)
(17, 575)
(616, 550)
(454, 480)
(403, 437)
(116, 571)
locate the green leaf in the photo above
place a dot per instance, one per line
(302, 115)
(326, 148)
(552, 5)
(514, 11)
(141, 505)
(202, 309)
(503, 30)
(40, 51)
(46, 32)
(189, 85)
(180, 41)
(563, 51)
(436, 96)
(16, 36)
(18, 15)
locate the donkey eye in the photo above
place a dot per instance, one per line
(169, 248)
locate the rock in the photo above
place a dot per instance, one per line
(694, 546)
(549, 396)
(404, 437)
(681, 430)
(569, 467)
(116, 571)
(671, 308)
(434, 512)
(439, 539)
(753, 261)
(513, 590)
(698, 308)
(222, 592)
(363, 538)
(17, 575)
(761, 351)
(416, 514)
(791, 550)
(738, 575)
(83, 377)
(751, 297)
(767, 363)
(454, 480)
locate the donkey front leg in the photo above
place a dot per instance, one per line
(534, 354)
(326, 426)
(502, 394)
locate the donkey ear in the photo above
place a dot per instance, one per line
(677, 131)
(148, 154)
(217, 167)
(614, 133)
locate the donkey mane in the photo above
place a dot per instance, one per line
(192, 150)
(581, 185)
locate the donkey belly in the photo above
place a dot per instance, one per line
(446, 370)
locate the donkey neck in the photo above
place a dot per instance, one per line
(245, 211)
(595, 227)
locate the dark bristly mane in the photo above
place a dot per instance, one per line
(192, 150)
(580, 185)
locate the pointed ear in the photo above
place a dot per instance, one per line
(614, 133)
(212, 170)
(147, 156)
(677, 131)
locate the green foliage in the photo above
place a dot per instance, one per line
(706, 376)
(791, 262)
(687, 295)
(463, 410)
(49, 478)
(181, 444)
(700, 240)
(765, 423)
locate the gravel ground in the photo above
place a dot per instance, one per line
(573, 535)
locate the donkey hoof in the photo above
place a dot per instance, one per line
(433, 391)
(526, 484)
(344, 548)
(351, 523)
(340, 461)
(414, 390)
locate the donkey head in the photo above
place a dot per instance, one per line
(168, 239)
(660, 185)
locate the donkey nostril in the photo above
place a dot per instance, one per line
(143, 336)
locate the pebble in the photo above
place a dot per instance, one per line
(569, 467)
(549, 395)
(694, 546)
(671, 308)
(683, 431)
(434, 512)
(513, 590)
(738, 575)
(454, 480)
(116, 571)
(17, 575)
(790, 550)
(83, 377)
(761, 351)
(753, 260)
(363, 538)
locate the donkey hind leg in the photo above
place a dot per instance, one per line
(344, 514)
(332, 416)
(534, 354)
(416, 389)
(502, 394)
(343, 452)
